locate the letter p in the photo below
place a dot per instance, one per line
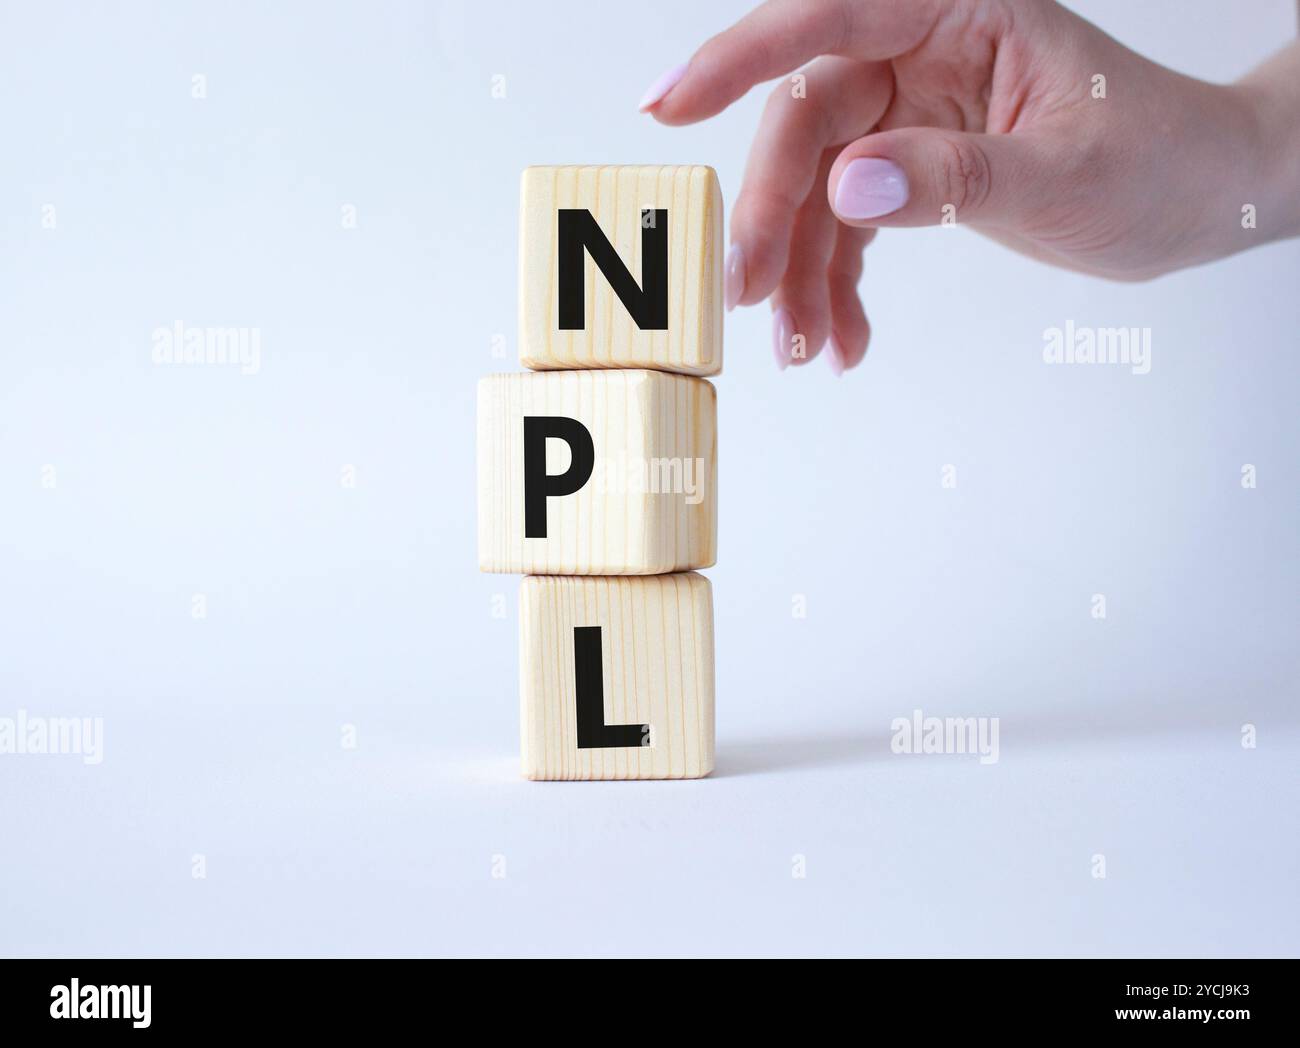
(538, 484)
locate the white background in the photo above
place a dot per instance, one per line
(329, 606)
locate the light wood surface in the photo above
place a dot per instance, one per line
(610, 337)
(656, 644)
(650, 505)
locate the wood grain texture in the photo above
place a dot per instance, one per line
(657, 663)
(610, 338)
(658, 427)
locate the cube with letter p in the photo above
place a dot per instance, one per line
(596, 473)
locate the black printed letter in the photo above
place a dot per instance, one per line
(593, 732)
(648, 304)
(537, 483)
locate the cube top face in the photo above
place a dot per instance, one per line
(596, 473)
(621, 267)
(616, 677)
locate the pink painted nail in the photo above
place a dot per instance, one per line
(835, 357)
(733, 284)
(656, 91)
(870, 187)
(782, 337)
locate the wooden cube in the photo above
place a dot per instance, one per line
(596, 473)
(616, 677)
(621, 267)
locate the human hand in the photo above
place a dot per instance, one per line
(1014, 117)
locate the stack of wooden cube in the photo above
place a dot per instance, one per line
(597, 471)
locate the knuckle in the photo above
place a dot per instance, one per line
(764, 209)
(806, 117)
(845, 267)
(712, 50)
(965, 175)
(777, 103)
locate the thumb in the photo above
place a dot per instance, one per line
(921, 176)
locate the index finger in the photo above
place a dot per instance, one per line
(779, 37)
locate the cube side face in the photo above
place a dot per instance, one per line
(650, 503)
(656, 676)
(610, 336)
(681, 472)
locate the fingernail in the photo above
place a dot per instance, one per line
(835, 357)
(870, 187)
(782, 337)
(733, 284)
(656, 91)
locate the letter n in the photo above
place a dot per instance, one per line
(579, 232)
